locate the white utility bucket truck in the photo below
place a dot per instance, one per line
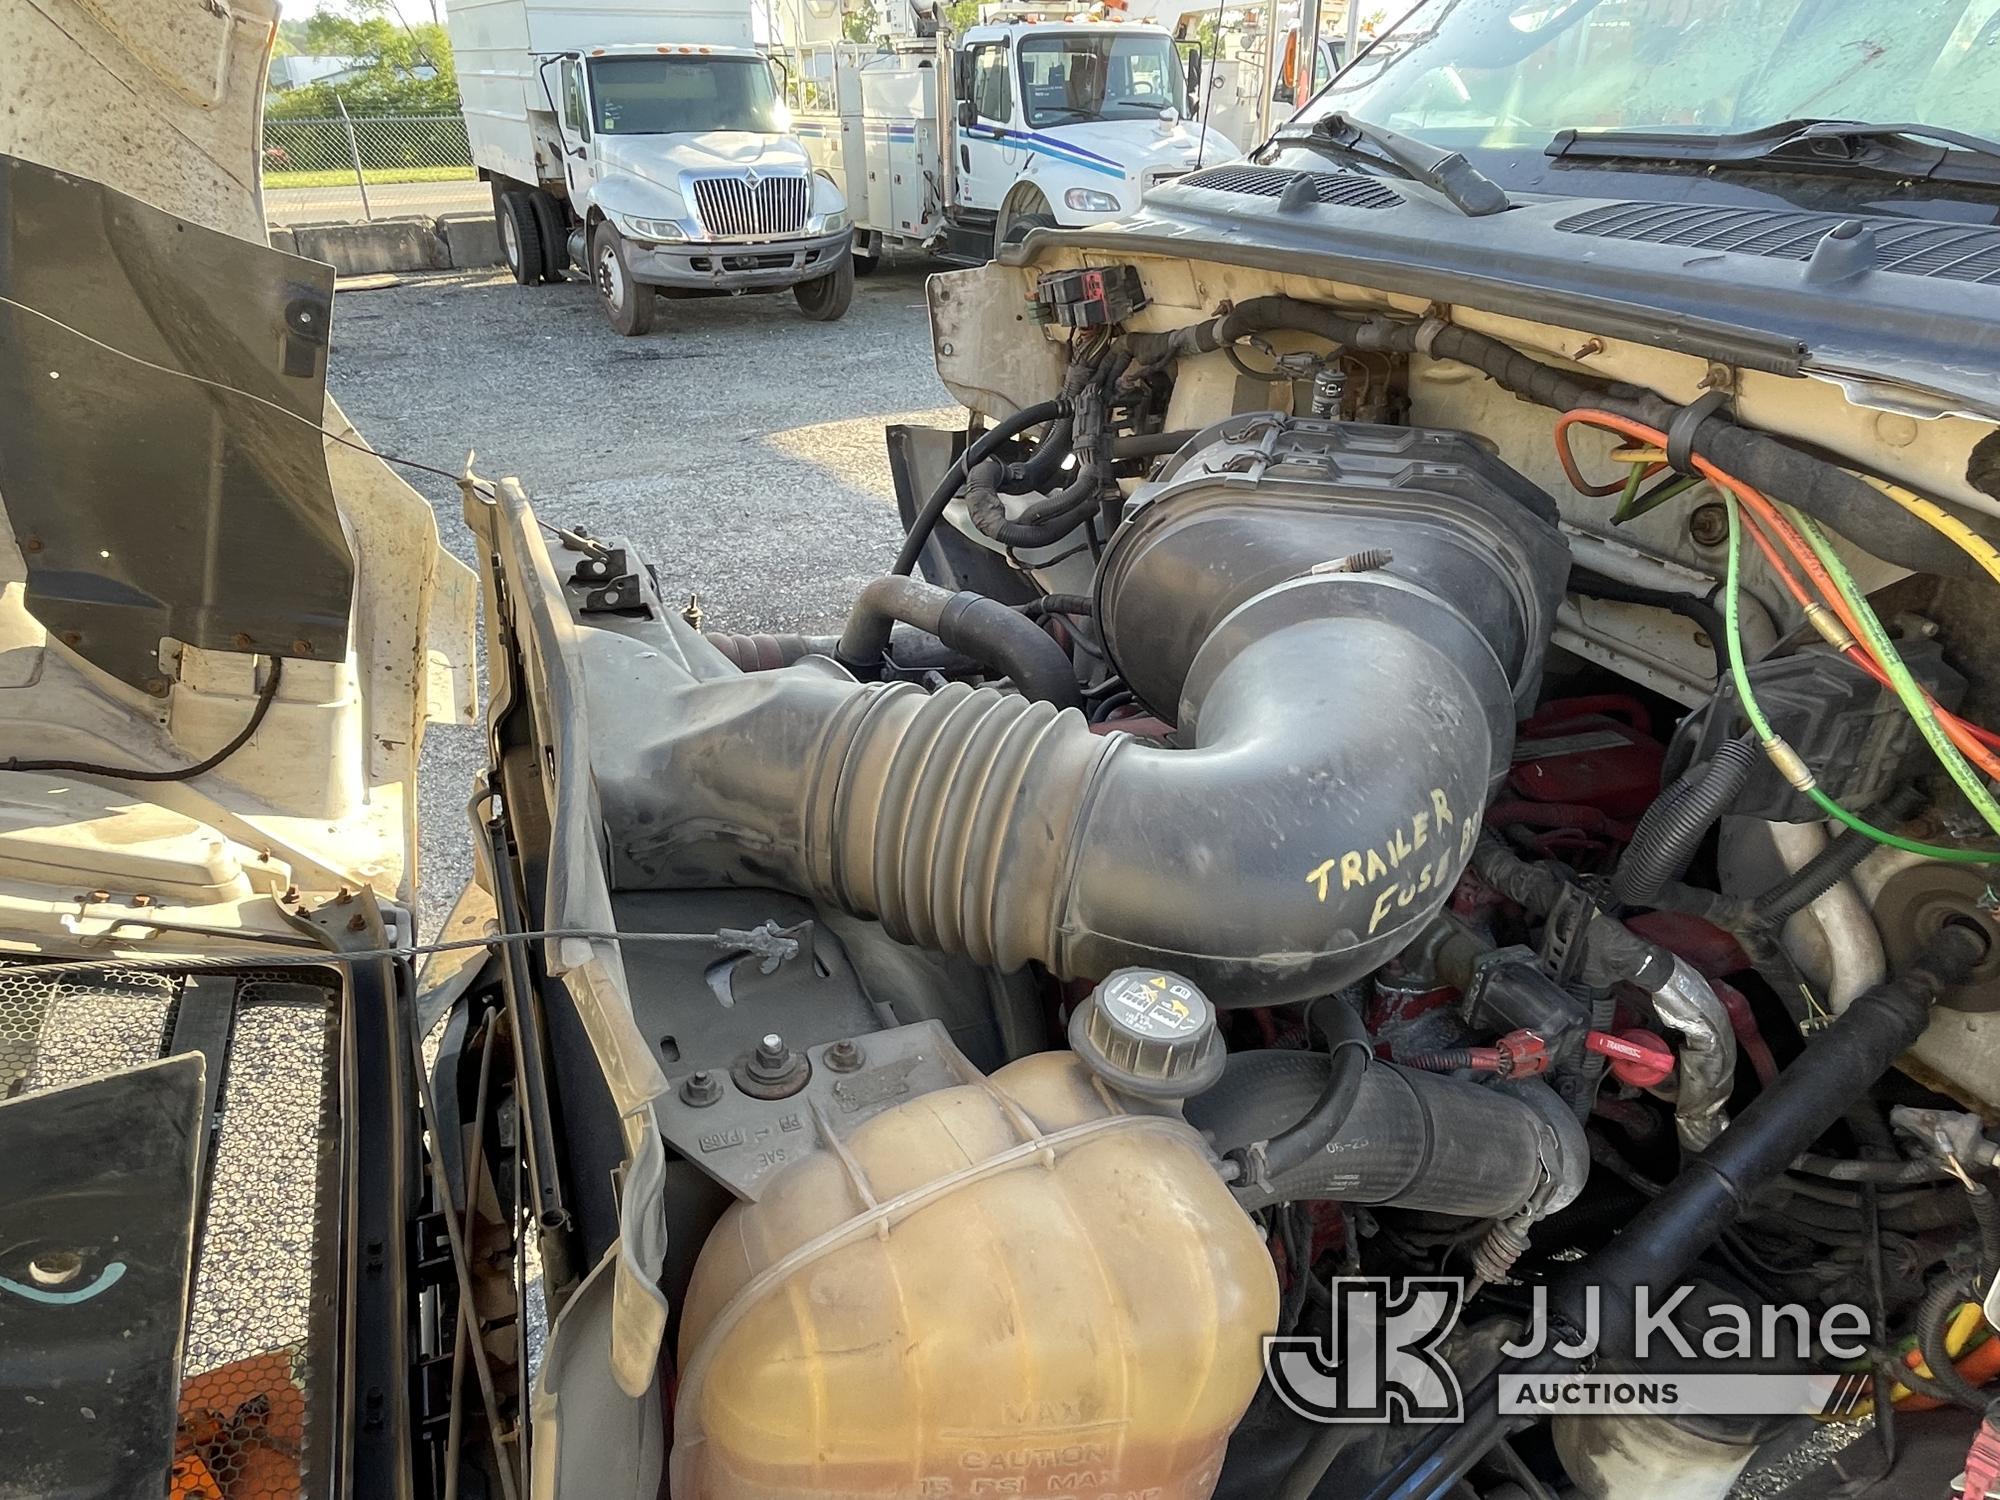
(959, 144)
(647, 143)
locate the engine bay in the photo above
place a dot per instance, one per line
(1273, 827)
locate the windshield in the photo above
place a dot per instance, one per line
(1073, 76)
(1512, 73)
(665, 95)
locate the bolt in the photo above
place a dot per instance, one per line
(1587, 348)
(701, 1089)
(302, 648)
(291, 893)
(157, 686)
(55, 1267)
(32, 544)
(241, 641)
(72, 637)
(1708, 525)
(142, 900)
(343, 896)
(771, 1048)
(357, 923)
(844, 1057)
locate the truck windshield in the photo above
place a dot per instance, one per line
(670, 95)
(1089, 75)
(1501, 74)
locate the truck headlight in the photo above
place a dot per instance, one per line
(1090, 201)
(662, 230)
(834, 222)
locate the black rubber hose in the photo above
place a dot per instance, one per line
(1711, 1193)
(1412, 1139)
(1986, 1214)
(1151, 444)
(1689, 606)
(1348, 1044)
(1933, 1320)
(984, 629)
(1058, 604)
(925, 521)
(1043, 524)
(1679, 819)
(909, 651)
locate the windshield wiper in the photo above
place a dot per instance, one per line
(1890, 149)
(1468, 189)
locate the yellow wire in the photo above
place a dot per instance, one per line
(1936, 516)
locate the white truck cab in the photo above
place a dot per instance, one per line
(961, 144)
(1070, 122)
(650, 146)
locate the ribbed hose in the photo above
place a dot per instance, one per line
(1679, 818)
(1833, 864)
(1933, 1321)
(1416, 1140)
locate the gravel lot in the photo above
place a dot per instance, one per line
(739, 445)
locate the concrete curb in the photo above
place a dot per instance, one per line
(456, 241)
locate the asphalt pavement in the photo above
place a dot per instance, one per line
(386, 200)
(739, 446)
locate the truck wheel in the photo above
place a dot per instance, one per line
(1018, 227)
(521, 238)
(554, 231)
(825, 298)
(629, 304)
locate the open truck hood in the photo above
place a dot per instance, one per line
(175, 524)
(223, 631)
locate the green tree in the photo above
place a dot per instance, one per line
(401, 69)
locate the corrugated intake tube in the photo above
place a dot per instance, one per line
(1416, 1140)
(1343, 732)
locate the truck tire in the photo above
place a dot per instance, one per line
(521, 237)
(825, 298)
(629, 304)
(554, 228)
(1018, 227)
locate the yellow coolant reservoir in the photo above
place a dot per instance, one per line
(1005, 1288)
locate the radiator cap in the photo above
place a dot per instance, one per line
(1149, 1032)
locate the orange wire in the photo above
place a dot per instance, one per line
(1976, 743)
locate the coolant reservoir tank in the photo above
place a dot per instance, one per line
(1006, 1287)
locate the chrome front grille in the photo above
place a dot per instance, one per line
(733, 208)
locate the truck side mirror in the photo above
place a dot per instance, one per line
(966, 114)
(1193, 80)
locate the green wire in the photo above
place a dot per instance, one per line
(1769, 737)
(1905, 685)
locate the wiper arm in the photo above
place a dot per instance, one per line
(1468, 189)
(1837, 143)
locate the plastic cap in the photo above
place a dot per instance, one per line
(1149, 1032)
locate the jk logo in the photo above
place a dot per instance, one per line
(1381, 1362)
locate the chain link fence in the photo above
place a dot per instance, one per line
(347, 167)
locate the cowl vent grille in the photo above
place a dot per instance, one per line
(1948, 252)
(1342, 189)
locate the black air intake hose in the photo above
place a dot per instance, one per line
(1344, 730)
(1679, 818)
(1417, 1140)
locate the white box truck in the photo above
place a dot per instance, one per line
(649, 145)
(961, 143)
